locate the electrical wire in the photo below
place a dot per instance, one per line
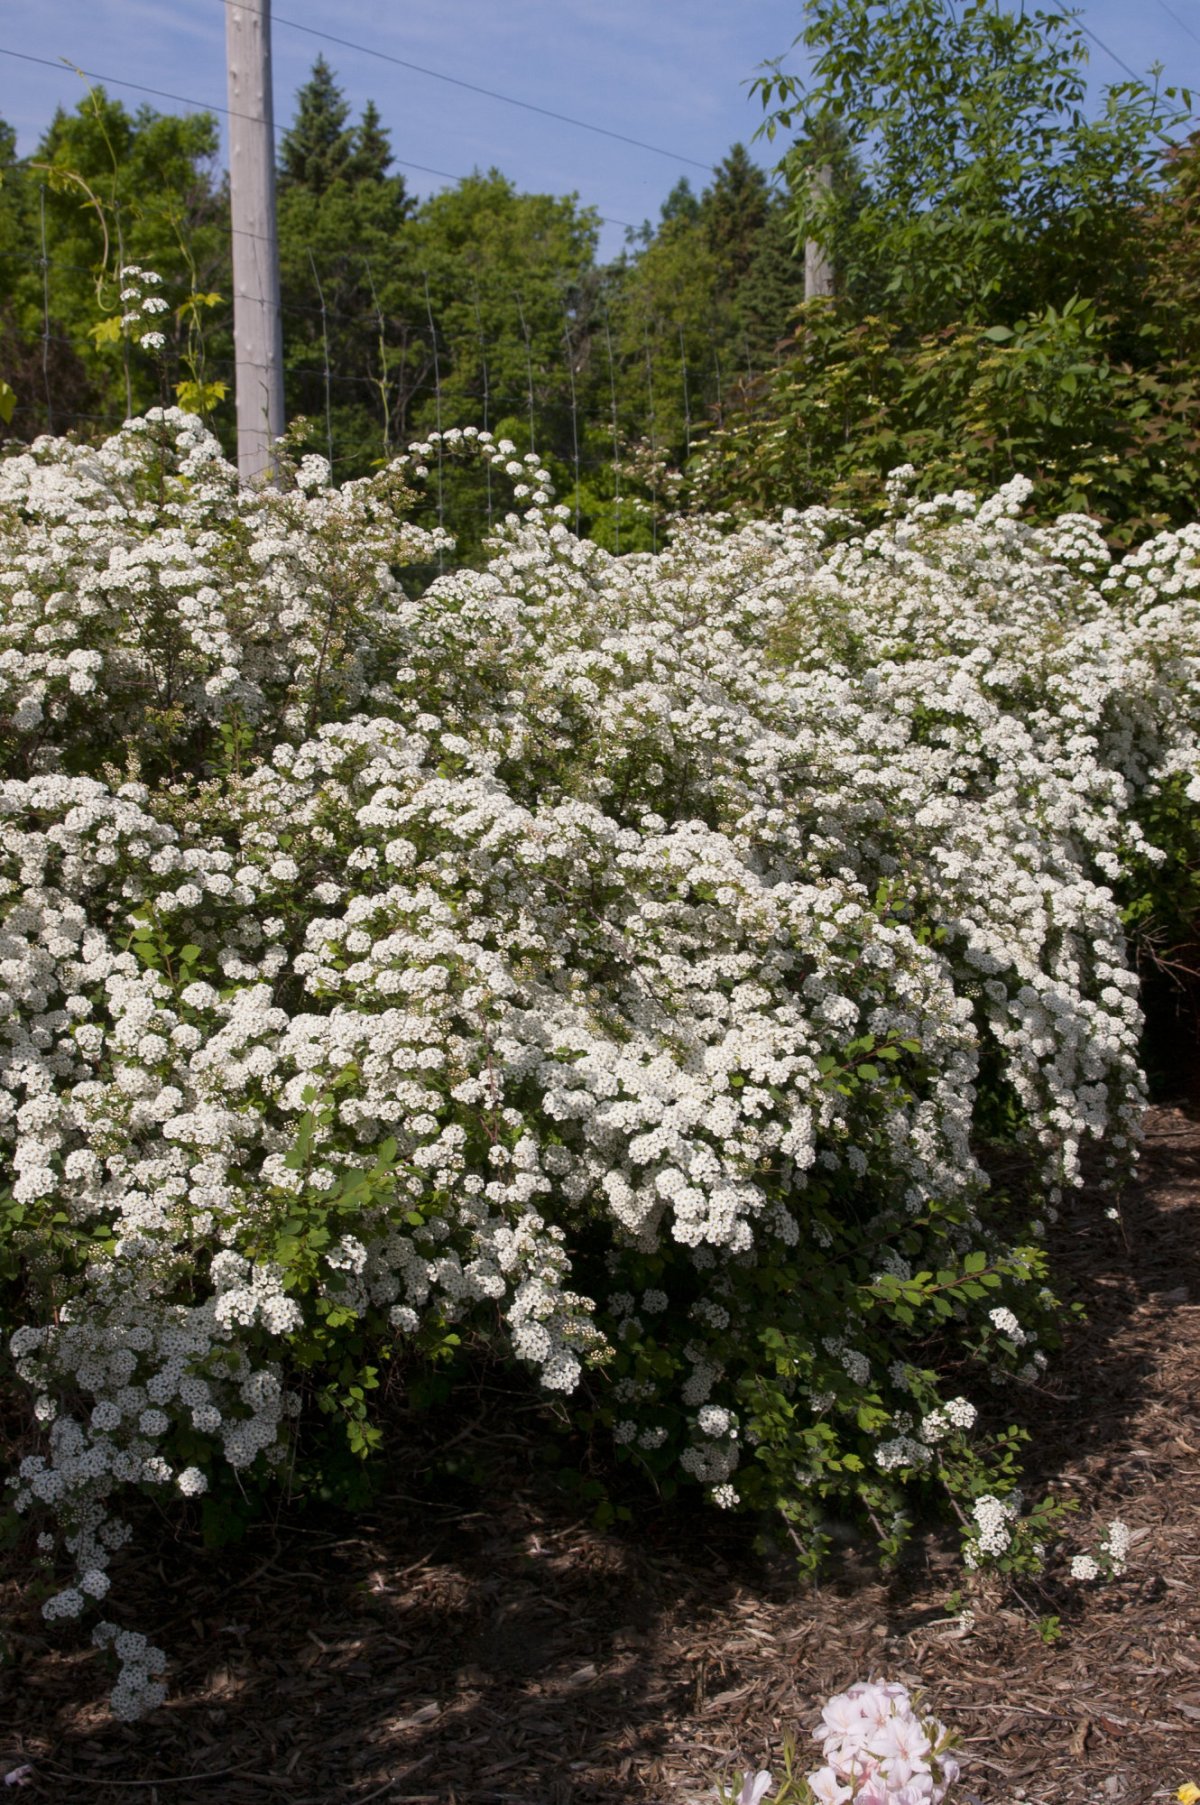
(204, 106)
(1182, 23)
(1088, 32)
(528, 106)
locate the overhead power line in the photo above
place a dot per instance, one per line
(1088, 32)
(209, 106)
(510, 100)
(1182, 23)
(60, 63)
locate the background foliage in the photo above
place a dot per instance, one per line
(1015, 289)
(1011, 273)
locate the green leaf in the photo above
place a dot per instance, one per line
(199, 397)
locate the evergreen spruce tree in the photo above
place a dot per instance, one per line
(772, 288)
(317, 147)
(351, 291)
(733, 212)
(371, 155)
(681, 203)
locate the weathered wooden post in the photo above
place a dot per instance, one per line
(818, 270)
(257, 322)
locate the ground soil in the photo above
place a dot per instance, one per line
(480, 1645)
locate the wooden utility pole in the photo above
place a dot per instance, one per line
(257, 323)
(818, 270)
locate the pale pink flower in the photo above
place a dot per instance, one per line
(842, 1718)
(879, 1751)
(876, 1704)
(920, 1788)
(899, 1772)
(753, 1788)
(857, 1765)
(825, 1787)
(903, 1739)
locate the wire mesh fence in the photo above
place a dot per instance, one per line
(610, 392)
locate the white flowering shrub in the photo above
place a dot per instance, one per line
(631, 963)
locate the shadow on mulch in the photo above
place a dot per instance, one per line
(497, 1649)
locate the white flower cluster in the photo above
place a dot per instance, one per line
(1113, 1558)
(141, 306)
(1114, 1546)
(879, 1749)
(370, 956)
(994, 1519)
(140, 1686)
(955, 1413)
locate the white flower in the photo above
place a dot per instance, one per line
(716, 1421)
(826, 1787)
(1007, 1324)
(1115, 1545)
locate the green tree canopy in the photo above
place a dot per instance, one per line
(343, 259)
(104, 188)
(989, 188)
(1173, 260)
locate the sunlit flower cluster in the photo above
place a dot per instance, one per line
(564, 950)
(141, 306)
(879, 1749)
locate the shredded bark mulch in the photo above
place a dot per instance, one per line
(477, 1643)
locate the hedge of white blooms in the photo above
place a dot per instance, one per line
(633, 964)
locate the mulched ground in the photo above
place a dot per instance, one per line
(473, 1647)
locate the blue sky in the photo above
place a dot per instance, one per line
(670, 72)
